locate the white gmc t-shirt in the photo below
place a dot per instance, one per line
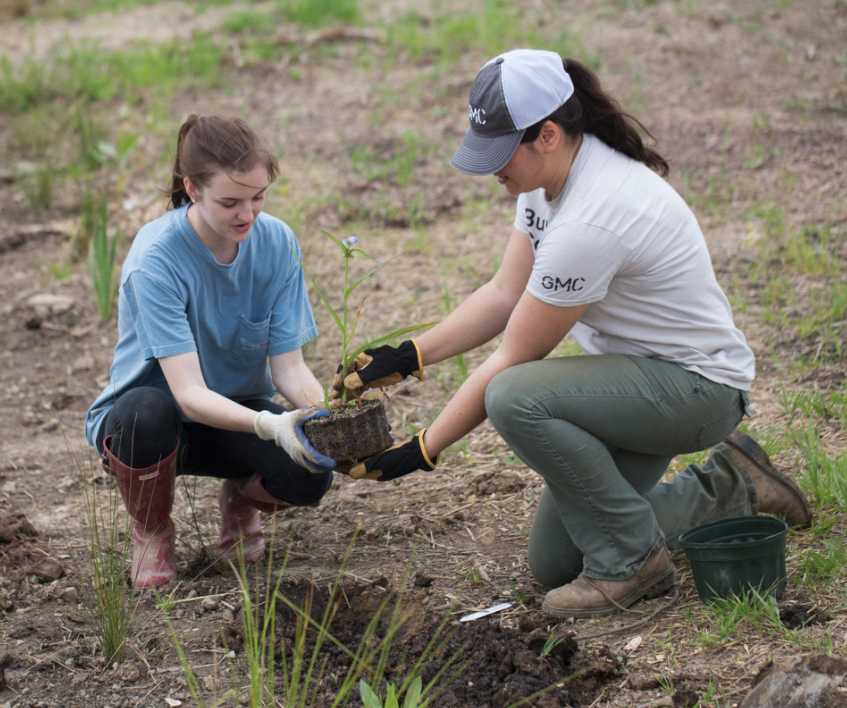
(620, 238)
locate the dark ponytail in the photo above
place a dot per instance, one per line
(592, 110)
(209, 144)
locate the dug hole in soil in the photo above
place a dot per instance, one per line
(484, 664)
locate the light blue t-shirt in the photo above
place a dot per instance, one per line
(176, 298)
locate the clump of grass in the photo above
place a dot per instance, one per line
(726, 615)
(447, 35)
(820, 569)
(37, 186)
(810, 404)
(304, 671)
(317, 13)
(395, 160)
(803, 291)
(101, 259)
(106, 594)
(81, 76)
(825, 475)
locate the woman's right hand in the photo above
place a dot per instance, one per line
(286, 430)
(397, 461)
(381, 366)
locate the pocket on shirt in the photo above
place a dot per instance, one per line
(251, 341)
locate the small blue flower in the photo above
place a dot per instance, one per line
(350, 241)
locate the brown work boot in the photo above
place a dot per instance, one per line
(591, 597)
(778, 495)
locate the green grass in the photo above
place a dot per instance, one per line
(38, 186)
(318, 13)
(445, 35)
(801, 286)
(815, 403)
(56, 9)
(57, 108)
(825, 473)
(296, 675)
(102, 264)
(822, 467)
(726, 618)
(821, 569)
(89, 75)
(393, 159)
(107, 533)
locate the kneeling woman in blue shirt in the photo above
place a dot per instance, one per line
(213, 312)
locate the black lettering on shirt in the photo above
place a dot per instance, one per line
(535, 222)
(569, 285)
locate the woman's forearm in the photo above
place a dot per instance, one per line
(466, 410)
(477, 320)
(295, 381)
(202, 405)
(531, 334)
(198, 402)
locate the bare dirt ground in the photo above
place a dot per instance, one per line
(747, 99)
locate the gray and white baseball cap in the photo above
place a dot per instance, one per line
(511, 92)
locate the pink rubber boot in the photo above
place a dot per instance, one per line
(148, 494)
(240, 501)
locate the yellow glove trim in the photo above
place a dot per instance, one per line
(419, 374)
(432, 465)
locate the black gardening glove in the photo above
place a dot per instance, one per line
(381, 366)
(397, 461)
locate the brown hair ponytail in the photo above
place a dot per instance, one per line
(591, 110)
(208, 144)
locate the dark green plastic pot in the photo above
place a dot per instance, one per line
(731, 556)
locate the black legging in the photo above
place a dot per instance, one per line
(145, 425)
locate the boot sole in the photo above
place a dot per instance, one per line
(658, 586)
(746, 446)
(153, 580)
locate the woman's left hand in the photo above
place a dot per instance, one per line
(286, 430)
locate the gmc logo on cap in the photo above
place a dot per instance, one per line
(476, 115)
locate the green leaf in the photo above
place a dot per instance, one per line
(369, 698)
(391, 697)
(413, 694)
(107, 149)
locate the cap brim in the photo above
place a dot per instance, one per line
(481, 156)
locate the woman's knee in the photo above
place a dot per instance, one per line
(146, 411)
(300, 490)
(553, 557)
(147, 421)
(550, 568)
(502, 398)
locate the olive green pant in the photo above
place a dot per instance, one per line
(602, 431)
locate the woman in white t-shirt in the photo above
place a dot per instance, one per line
(602, 248)
(212, 314)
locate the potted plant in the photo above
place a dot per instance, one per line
(357, 427)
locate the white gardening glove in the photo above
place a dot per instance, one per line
(286, 430)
